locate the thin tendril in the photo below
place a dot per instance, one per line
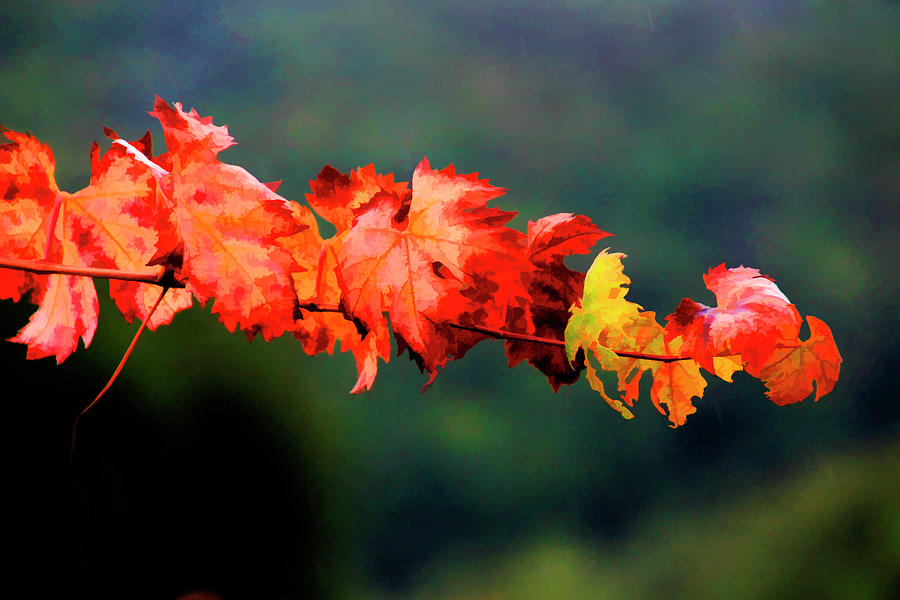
(115, 374)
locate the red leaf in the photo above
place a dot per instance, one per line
(320, 331)
(215, 219)
(28, 193)
(552, 289)
(756, 321)
(68, 309)
(434, 259)
(752, 318)
(337, 196)
(604, 323)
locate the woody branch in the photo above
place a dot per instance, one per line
(163, 278)
(167, 278)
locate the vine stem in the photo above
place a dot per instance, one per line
(164, 279)
(44, 267)
(524, 337)
(509, 335)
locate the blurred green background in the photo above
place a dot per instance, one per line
(763, 133)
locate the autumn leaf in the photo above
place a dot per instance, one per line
(752, 318)
(229, 224)
(552, 288)
(602, 315)
(335, 197)
(115, 222)
(29, 193)
(790, 373)
(320, 331)
(317, 288)
(675, 384)
(605, 324)
(410, 255)
(756, 327)
(67, 310)
(68, 305)
(124, 215)
(215, 219)
(602, 320)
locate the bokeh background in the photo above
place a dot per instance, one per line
(763, 133)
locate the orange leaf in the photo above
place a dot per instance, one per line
(756, 326)
(68, 309)
(67, 304)
(229, 223)
(123, 222)
(336, 196)
(411, 255)
(317, 285)
(28, 193)
(674, 384)
(603, 323)
(789, 376)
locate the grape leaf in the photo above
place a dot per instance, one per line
(29, 193)
(752, 318)
(411, 254)
(115, 222)
(229, 224)
(67, 310)
(602, 315)
(434, 259)
(754, 328)
(319, 331)
(220, 221)
(334, 196)
(603, 323)
(68, 305)
(790, 373)
(675, 384)
(125, 217)
(757, 325)
(552, 288)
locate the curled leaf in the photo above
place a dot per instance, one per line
(752, 318)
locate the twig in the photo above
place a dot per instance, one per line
(167, 280)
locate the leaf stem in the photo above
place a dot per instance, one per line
(51, 227)
(43, 267)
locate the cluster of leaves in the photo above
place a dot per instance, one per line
(432, 257)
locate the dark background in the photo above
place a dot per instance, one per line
(757, 133)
